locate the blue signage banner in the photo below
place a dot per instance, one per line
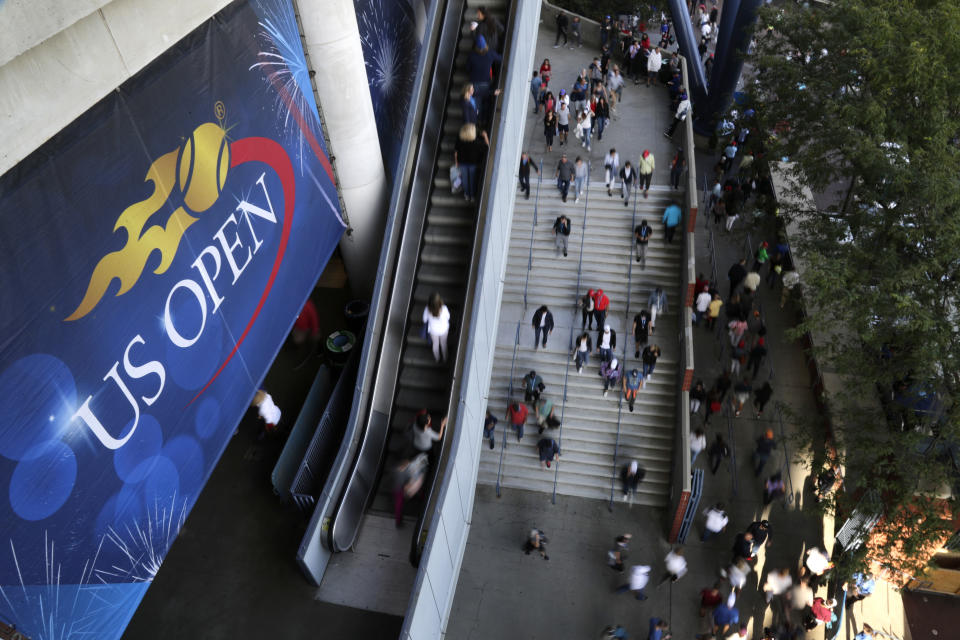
(153, 257)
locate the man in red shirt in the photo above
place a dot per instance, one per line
(600, 305)
(517, 414)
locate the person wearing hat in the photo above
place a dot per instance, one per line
(645, 170)
(606, 31)
(610, 372)
(765, 446)
(631, 384)
(761, 533)
(606, 342)
(631, 475)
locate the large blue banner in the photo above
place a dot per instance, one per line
(153, 257)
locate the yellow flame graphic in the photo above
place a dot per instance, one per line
(203, 163)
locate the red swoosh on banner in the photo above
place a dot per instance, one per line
(272, 154)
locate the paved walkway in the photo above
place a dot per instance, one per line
(504, 594)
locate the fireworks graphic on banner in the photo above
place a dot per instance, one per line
(144, 546)
(65, 608)
(390, 51)
(281, 60)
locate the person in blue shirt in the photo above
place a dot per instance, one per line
(671, 220)
(614, 633)
(866, 634)
(724, 617)
(863, 586)
(658, 629)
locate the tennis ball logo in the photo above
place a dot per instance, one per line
(202, 169)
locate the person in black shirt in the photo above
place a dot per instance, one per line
(736, 274)
(468, 154)
(561, 229)
(526, 163)
(562, 22)
(743, 546)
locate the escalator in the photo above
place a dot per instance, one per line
(433, 254)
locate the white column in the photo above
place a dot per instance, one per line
(333, 45)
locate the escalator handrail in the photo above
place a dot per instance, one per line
(516, 339)
(566, 369)
(426, 515)
(366, 386)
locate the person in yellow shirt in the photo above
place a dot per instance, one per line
(645, 168)
(713, 311)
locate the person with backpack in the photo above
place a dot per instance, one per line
(641, 235)
(610, 372)
(581, 351)
(532, 388)
(536, 541)
(631, 384)
(549, 451)
(641, 331)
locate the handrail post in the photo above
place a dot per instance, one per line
(566, 370)
(626, 323)
(516, 341)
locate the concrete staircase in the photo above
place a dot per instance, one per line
(588, 434)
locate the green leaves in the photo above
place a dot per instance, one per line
(864, 98)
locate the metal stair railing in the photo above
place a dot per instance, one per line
(516, 338)
(733, 452)
(786, 453)
(623, 370)
(566, 369)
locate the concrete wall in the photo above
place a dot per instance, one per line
(59, 58)
(440, 565)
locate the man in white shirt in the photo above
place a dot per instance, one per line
(716, 522)
(703, 304)
(654, 62)
(676, 565)
(778, 583)
(639, 577)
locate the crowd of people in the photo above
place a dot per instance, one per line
(733, 316)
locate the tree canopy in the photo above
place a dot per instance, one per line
(864, 100)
